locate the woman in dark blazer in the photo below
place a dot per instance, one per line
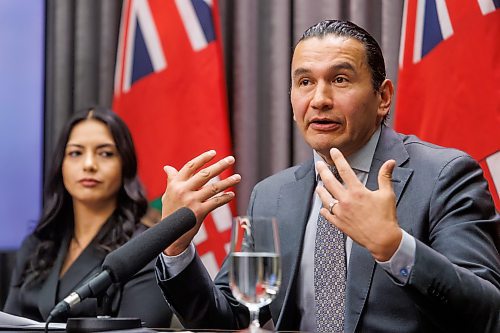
(94, 203)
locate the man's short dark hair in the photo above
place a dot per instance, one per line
(348, 29)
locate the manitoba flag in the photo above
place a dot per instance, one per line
(170, 90)
(449, 78)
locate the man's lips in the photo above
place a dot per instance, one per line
(324, 124)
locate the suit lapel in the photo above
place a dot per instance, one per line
(390, 146)
(293, 206)
(48, 291)
(84, 267)
(361, 263)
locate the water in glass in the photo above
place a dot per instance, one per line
(255, 267)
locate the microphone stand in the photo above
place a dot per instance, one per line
(103, 306)
(103, 322)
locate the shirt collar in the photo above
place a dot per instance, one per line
(360, 160)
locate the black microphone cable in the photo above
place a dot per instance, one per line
(47, 322)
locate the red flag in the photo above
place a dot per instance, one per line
(170, 90)
(449, 78)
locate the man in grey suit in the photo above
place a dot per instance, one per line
(421, 233)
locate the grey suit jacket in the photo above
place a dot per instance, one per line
(442, 200)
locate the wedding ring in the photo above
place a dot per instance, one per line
(331, 205)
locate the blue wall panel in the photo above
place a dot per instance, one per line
(22, 25)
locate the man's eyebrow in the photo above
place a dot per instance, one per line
(342, 65)
(334, 68)
(300, 71)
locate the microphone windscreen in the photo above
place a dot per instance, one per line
(132, 256)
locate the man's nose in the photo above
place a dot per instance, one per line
(90, 163)
(323, 96)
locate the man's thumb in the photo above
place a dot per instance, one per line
(385, 175)
(170, 171)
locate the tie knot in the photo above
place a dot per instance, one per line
(335, 172)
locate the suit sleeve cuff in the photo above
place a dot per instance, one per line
(171, 266)
(402, 261)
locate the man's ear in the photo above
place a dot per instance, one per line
(386, 92)
(290, 97)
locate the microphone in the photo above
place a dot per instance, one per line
(121, 264)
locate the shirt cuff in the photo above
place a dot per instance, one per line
(174, 265)
(402, 261)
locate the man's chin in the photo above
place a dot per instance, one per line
(323, 146)
(323, 150)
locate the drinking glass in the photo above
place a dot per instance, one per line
(255, 270)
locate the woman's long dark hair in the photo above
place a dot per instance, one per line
(57, 218)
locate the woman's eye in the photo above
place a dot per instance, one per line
(74, 153)
(107, 153)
